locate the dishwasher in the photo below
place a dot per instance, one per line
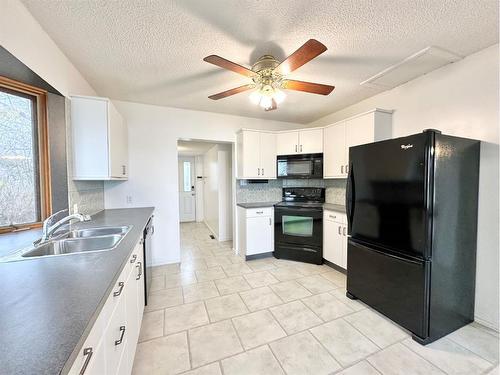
(148, 233)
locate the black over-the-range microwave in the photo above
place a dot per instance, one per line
(300, 166)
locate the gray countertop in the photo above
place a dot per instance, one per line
(257, 204)
(334, 207)
(48, 305)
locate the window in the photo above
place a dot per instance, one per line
(187, 176)
(24, 183)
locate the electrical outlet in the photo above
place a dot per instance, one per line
(129, 199)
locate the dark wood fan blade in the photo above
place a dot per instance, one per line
(273, 107)
(227, 93)
(304, 54)
(229, 65)
(313, 88)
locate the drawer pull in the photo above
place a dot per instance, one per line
(343, 231)
(88, 353)
(141, 241)
(139, 265)
(332, 216)
(259, 212)
(340, 230)
(134, 258)
(120, 340)
(121, 284)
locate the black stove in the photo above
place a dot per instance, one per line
(298, 221)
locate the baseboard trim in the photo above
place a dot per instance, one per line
(486, 324)
(335, 267)
(211, 230)
(259, 256)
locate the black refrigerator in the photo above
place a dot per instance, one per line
(411, 204)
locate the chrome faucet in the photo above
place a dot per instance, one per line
(49, 228)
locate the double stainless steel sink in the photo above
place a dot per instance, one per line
(80, 240)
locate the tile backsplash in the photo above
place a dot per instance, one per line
(270, 191)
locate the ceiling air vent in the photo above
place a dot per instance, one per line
(420, 63)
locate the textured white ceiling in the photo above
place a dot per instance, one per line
(152, 51)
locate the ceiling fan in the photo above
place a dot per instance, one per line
(269, 76)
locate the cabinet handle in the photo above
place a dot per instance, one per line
(341, 169)
(141, 241)
(270, 223)
(296, 148)
(300, 148)
(139, 265)
(332, 216)
(88, 353)
(259, 212)
(134, 258)
(262, 171)
(121, 284)
(340, 230)
(124, 169)
(347, 168)
(258, 171)
(343, 231)
(120, 340)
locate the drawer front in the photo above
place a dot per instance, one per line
(335, 216)
(255, 212)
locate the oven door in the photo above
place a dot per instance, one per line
(298, 234)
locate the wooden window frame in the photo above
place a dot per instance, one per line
(40, 96)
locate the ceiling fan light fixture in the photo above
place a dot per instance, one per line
(266, 102)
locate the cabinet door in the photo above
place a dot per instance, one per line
(89, 128)
(287, 143)
(250, 154)
(141, 300)
(329, 228)
(359, 131)
(344, 248)
(334, 154)
(260, 235)
(268, 155)
(116, 334)
(118, 144)
(311, 141)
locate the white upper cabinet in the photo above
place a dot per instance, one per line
(311, 141)
(308, 141)
(99, 140)
(334, 157)
(287, 143)
(368, 127)
(256, 152)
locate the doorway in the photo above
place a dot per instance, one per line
(187, 189)
(205, 183)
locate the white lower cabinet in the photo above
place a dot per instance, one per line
(335, 238)
(111, 344)
(256, 226)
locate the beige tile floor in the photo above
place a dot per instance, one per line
(216, 314)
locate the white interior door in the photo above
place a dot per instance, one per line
(187, 193)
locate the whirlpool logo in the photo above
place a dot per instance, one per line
(406, 147)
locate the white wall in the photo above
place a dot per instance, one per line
(23, 36)
(211, 190)
(459, 99)
(153, 135)
(225, 193)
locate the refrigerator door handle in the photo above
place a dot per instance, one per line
(350, 198)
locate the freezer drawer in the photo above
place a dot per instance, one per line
(394, 286)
